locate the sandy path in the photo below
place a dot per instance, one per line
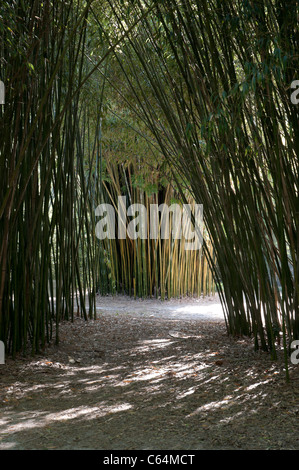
(202, 309)
(149, 375)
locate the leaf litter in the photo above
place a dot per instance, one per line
(148, 375)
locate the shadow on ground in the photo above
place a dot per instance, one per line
(122, 382)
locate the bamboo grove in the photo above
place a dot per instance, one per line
(52, 265)
(208, 84)
(43, 187)
(221, 75)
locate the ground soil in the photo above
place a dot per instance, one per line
(149, 375)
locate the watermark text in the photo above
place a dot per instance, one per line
(2, 353)
(2, 93)
(169, 222)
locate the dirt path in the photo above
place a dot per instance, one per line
(142, 377)
(207, 308)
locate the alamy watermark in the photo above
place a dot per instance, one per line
(2, 93)
(175, 222)
(295, 94)
(295, 354)
(2, 353)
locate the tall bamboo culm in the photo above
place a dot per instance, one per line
(44, 208)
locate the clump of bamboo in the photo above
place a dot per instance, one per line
(219, 74)
(148, 267)
(43, 210)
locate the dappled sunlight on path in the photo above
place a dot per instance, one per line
(129, 381)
